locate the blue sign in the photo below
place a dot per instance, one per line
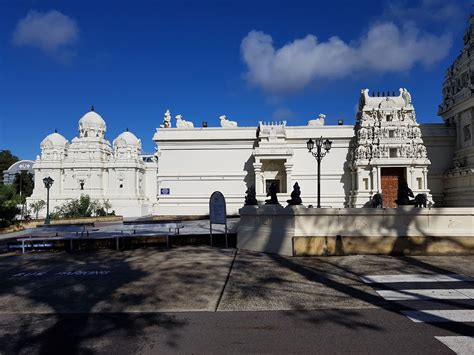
(165, 191)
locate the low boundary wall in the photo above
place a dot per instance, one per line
(302, 231)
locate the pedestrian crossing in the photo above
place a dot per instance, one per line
(432, 298)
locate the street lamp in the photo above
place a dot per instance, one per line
(48, 182)
(319, 156)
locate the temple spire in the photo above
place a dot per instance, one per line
(92, 108)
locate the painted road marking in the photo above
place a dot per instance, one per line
(415, 278)
(444, 315)
(461, 345)
(469, 292)
(438, 294)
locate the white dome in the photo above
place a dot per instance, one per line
(127, 139)
(54, 140)
(92, 125)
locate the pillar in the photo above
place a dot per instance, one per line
(289, 171)
(425, 178)
(259, 188)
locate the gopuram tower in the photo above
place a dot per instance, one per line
(388, 148)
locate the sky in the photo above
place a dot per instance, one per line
(250, 60)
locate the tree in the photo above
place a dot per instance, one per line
(37, 207)
(8, 205)
(24, 184)
(6, 160)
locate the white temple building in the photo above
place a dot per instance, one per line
(385, 145)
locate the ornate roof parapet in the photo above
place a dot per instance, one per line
(272, 132)
(386, 129)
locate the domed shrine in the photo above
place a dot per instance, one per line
(89, 164)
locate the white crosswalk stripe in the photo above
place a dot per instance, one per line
(406, 289)
(443, 315)
(459, 344)
(423, 294)
(416, 278)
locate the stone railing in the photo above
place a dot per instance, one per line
(298, 230)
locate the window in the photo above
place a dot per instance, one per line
(389, 118)
(366, 183)
(391, 134)
(419, 182)
(393, 152)
(467, 132)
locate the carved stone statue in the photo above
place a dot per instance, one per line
(377, 201)
(166, 120)
(295, 195)
(226, 123)
(406, 96)
(250, 197)
(318, 121)
(272, 192)
(181, 123)
(404, 193)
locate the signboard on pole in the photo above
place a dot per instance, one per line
(217, 208)
(217, 212)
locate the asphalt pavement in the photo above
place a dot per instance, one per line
(198, 299)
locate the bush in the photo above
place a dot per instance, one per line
(84, 206)
(8, 205)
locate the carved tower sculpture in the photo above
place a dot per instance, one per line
(388, 147)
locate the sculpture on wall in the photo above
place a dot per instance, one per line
(226, 123)
(404, 194)
(181, 123)
(377, 200)
(272, 192)
(295, 195)
(318, 121)
(166, 120)
(250, 197)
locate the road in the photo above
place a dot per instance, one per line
(202, 299)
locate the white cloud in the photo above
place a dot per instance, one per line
(49, 31)
(384, 48)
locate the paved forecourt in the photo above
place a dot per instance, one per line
(140, 280)
(262, 301)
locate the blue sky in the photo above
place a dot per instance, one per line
(250, 60)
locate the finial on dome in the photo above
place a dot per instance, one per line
(92, 108)
(127, 129)
(55, 130)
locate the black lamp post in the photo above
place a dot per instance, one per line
(48, 182)
(319, 154)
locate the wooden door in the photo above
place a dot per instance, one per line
(390, 178)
